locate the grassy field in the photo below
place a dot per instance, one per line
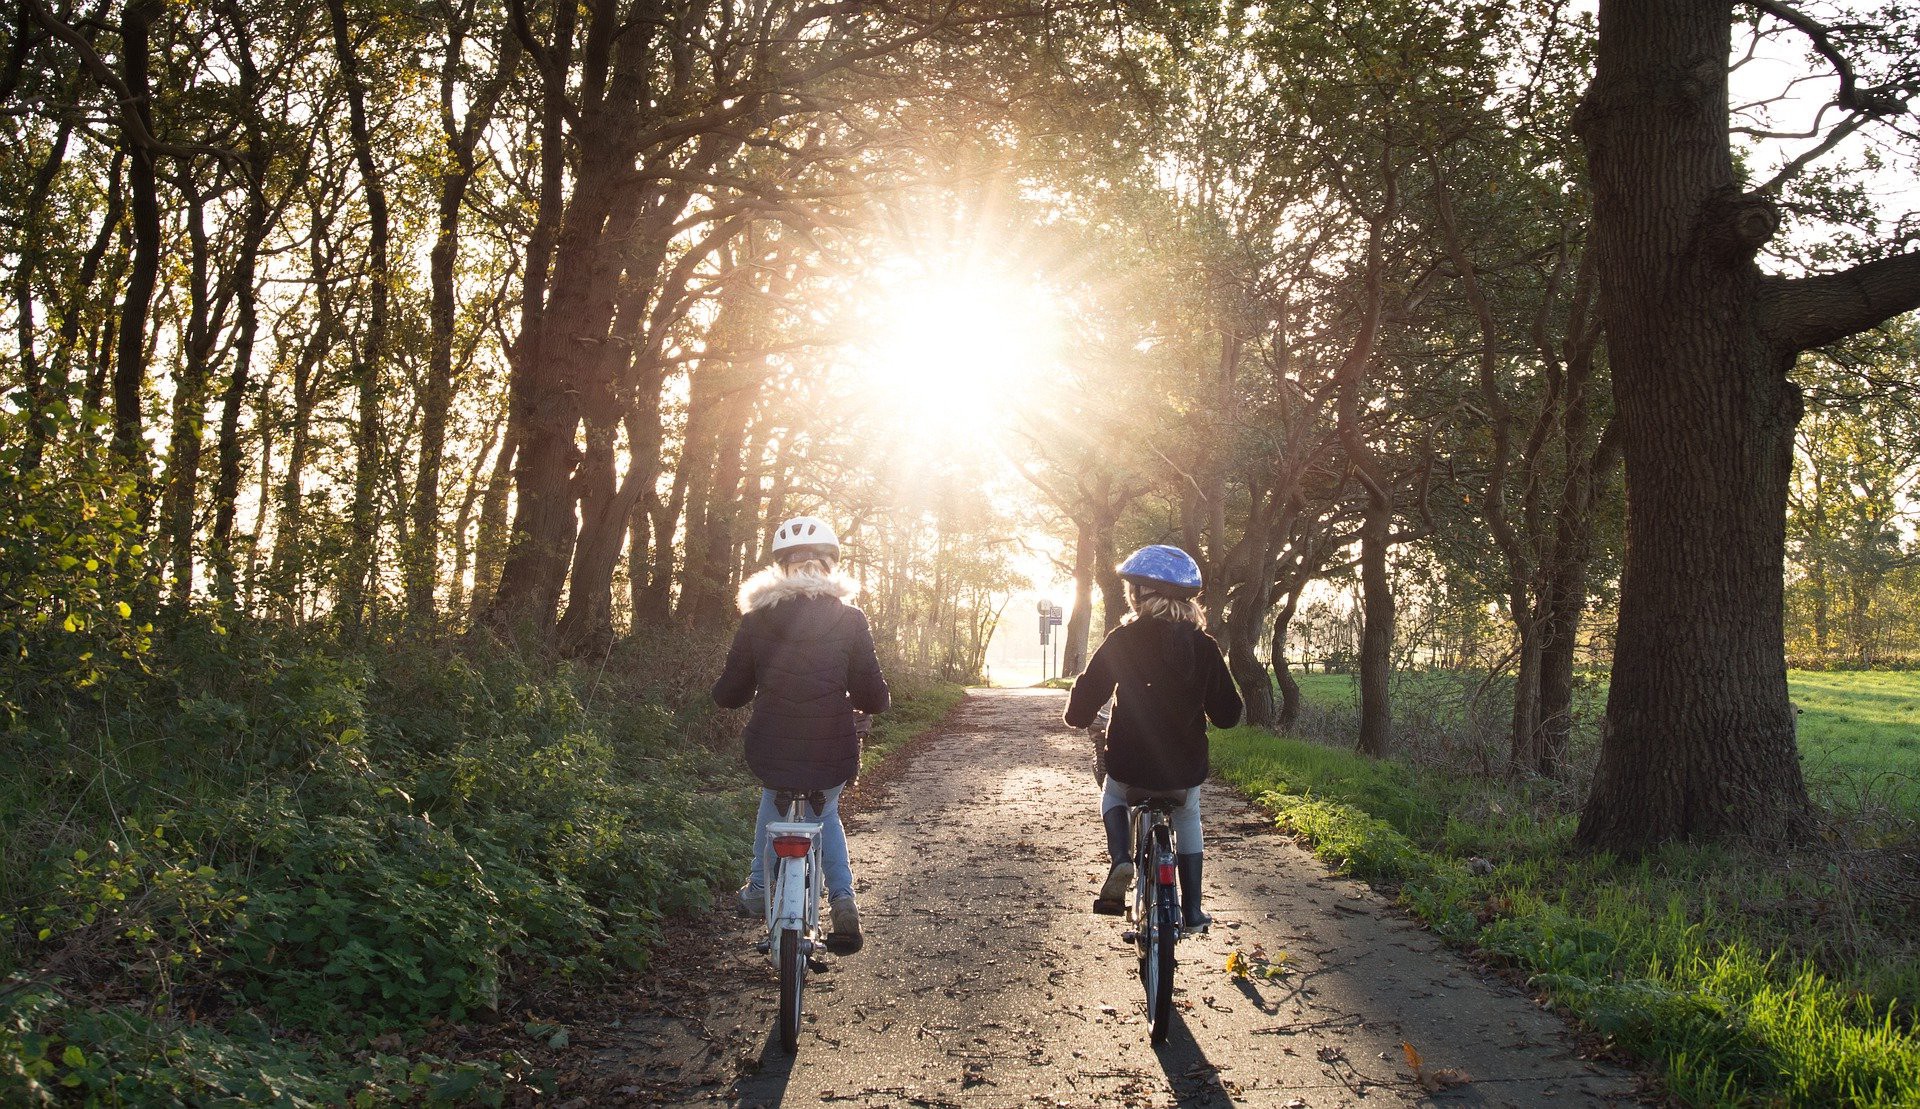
(1859, 732)
(1860, 735)
(1742, 979)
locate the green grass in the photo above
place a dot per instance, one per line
(1745, 980)
(1859, 730)
(1860, 735)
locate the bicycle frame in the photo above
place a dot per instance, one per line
(794, 900)
(793, 908)
(1152, 848)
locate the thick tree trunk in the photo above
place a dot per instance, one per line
(1698, 739)
(1248, 672)
(1106, 575)
(1376, 634)
(656, 603)
(587, 627)
(1073, 652)
(1289, 711)
(1523, 733)
(1567, 597)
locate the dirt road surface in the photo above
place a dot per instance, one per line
(987, 981)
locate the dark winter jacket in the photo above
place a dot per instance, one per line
(804, 657)
(1172, 680)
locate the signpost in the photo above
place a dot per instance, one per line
(1050, 617)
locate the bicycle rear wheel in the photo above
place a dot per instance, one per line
(1160, 991)
(1157, 936)
(793, 982)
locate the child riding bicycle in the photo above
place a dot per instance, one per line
(1171, 679)
(804, 657)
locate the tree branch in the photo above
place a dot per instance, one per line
(1809, 312)
(1850, 98)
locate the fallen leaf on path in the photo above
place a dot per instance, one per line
(1445, 1078)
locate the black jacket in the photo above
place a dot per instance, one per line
(805, 658)
(1172, 680)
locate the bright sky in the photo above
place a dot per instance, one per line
(954, 346)
(951, 348)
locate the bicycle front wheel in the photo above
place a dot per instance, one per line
(793, 981)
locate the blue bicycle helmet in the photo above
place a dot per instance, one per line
(1163, 569)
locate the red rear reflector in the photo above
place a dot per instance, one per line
(1166, 874)
(793, 847)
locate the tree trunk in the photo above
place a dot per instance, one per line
(1523, 735)
(227, 452)
(32, 220)
(1073, 652)
(130, 356)
(489, 541)
(1698, 739)
(187, 436)
(1567, 601)
(357, 574)
(1376, 634)
(1248, 673)
(1106, 574)
(1289, 713)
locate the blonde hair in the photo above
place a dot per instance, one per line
(1159, 606)
(817, 567)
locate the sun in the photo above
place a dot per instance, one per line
(956, 347)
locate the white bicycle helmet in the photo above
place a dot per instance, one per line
(805, 531)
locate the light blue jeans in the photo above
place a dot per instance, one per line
(833, 844)
(1185, 819)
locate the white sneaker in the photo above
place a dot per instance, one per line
(752, 901)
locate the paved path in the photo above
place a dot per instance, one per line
(986, 980)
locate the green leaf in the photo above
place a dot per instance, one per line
(124, 609)
(73, 1057)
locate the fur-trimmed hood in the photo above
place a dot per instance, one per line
(771, 586)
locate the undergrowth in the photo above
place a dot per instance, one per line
(264, 867)
(1747, 979)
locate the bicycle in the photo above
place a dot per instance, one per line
(793, 903)
(1154, 912)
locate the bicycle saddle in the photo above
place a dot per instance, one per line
(816, 798)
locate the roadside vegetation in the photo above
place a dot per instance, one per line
(1742, 978)
(279, 871)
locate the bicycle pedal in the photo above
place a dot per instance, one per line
(818, 965)
(763, 947)
(1129, 936)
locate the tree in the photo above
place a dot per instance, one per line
(1698, 738)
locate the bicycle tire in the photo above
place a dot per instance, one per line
(793, 981)
(1160, 1005)
(1156, 949)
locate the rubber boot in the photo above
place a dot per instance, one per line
(1113, 892)
(1196, 921)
